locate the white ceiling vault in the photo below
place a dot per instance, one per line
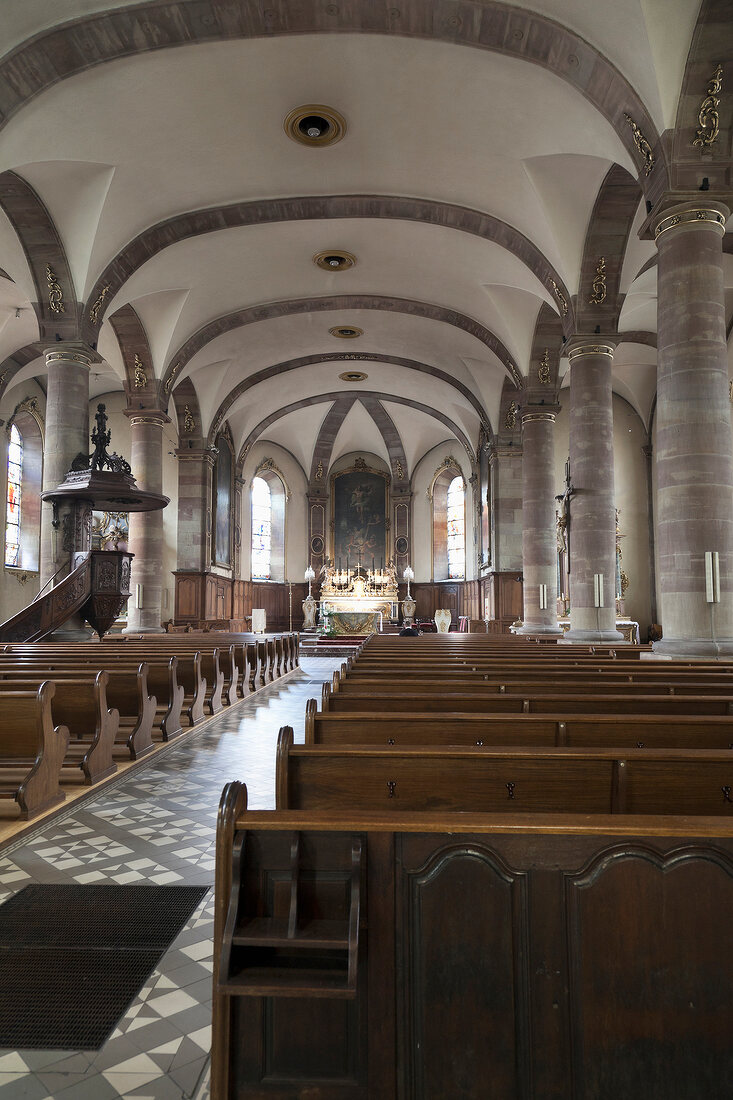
(465, 183)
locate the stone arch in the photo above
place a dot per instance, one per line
(190, 434)
(56, 307)
(392, 439)
(712, 44)
(334, 357)
(489, 25)
(141, 386)
(607, 237)
(544, 358)
(262, 211)
(294, 306)
(323, 448)
(319, 399)
(15, 363)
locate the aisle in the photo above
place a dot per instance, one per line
(155, 827)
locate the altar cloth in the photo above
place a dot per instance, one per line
(353, 622)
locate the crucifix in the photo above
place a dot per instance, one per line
(563, 519)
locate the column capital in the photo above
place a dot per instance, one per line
(72, 351)
(200, 454)
(539, 412)
(583, 345)
(679, 209)
(504, 452)
(147, 416)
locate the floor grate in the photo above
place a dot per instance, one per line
(72, 958)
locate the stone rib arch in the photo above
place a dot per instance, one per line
(334, 357)
(137, 357)
(53, 55)
(391, 436)
(262, 211)
(323, 448)
(321, 398)
(607, 236)
(294, 306)
(56, 307)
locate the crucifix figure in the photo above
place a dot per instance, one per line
(563, 519)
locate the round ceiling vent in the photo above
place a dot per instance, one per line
(314, 124)
(353, 376)
(334, 261)
(346, 332)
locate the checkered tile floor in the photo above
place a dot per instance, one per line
(156, 826)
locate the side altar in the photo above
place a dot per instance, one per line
(358, 601)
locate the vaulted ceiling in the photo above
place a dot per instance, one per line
(487, 159)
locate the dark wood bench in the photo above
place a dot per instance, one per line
(492, 780)
(32, 751)
(495, 955)
(534, 702)
(80, 703)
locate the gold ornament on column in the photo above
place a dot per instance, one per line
(141, 378)
(510, 422)
(189, 424)
(171, 378)
(642, 145)
(708, 116)
(599, 284)
(55, 294)
(543, 371)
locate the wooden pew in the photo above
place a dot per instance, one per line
(80, 704)
(32, 751)
(501, 780)
(558, 729)
(535, 701)
(493, 955)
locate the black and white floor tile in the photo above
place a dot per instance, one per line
(157, 826)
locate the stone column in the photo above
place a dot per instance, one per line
(592, 530)
(693, 444)
(146, 528)
(506, 480)
(194, 509)
(539, 541)
(66, 435)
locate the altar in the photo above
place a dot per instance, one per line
(358, 601)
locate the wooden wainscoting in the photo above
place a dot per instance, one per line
(503, 590)
(204, 597)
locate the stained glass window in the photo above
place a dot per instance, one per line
(261, 529)
(12, 506)
(456, 530)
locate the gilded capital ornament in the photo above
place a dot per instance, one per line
(55, 294)
(708, 117)
(141, 378)
(561, 299)
(94, 311)
(543, 371)
(599, 284)
(189, 424)
(642, 145)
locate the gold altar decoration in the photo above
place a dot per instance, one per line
(359, 590)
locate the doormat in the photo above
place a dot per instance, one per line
(72, 958)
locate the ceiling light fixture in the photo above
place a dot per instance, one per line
(331, 260)
(353, 376)
(314, 124)
(346, 332)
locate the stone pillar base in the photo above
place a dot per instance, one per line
(539, 628)
(143, 630)
(701, 649)
(592, 637)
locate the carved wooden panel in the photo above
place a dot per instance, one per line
(651, 970)
(463, 1012)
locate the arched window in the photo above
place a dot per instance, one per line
(13, 498)
(448, 493)
(261, 530)
(456, 523)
